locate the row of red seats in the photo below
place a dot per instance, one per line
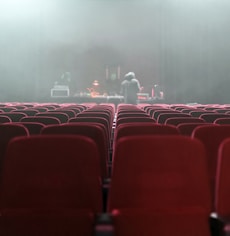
(158, 115)
(162, 113)
(159, 184)
(52, 184)
(169, 116)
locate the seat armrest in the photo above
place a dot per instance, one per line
(104, 225)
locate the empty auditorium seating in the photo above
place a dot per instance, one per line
(162, 183)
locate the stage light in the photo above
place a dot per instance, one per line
(95, 83)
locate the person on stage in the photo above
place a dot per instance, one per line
(129, 88)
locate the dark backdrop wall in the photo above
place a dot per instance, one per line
(181, 45)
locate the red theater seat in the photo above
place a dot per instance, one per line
(100, 114)
(155, 114)
(160, 186)
(61, 116)
(132, 114)
(212, 136)
(4, 119)
(91, 130)
(222, 191)
(142, 128)
(187, 128)
(100, 120)
(14, 116)
(51, 186)
(126, 120)
(181, 120)
(46, 120)
(33, 127)
(7, 132)
(200, 112)
(70, 113)
(222, 121)
(163, 117)
(212, 117)
(27, 112)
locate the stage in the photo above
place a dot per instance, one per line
(61, 94)
(98, 99)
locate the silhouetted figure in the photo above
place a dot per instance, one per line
(65, 79)
(129, 88)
